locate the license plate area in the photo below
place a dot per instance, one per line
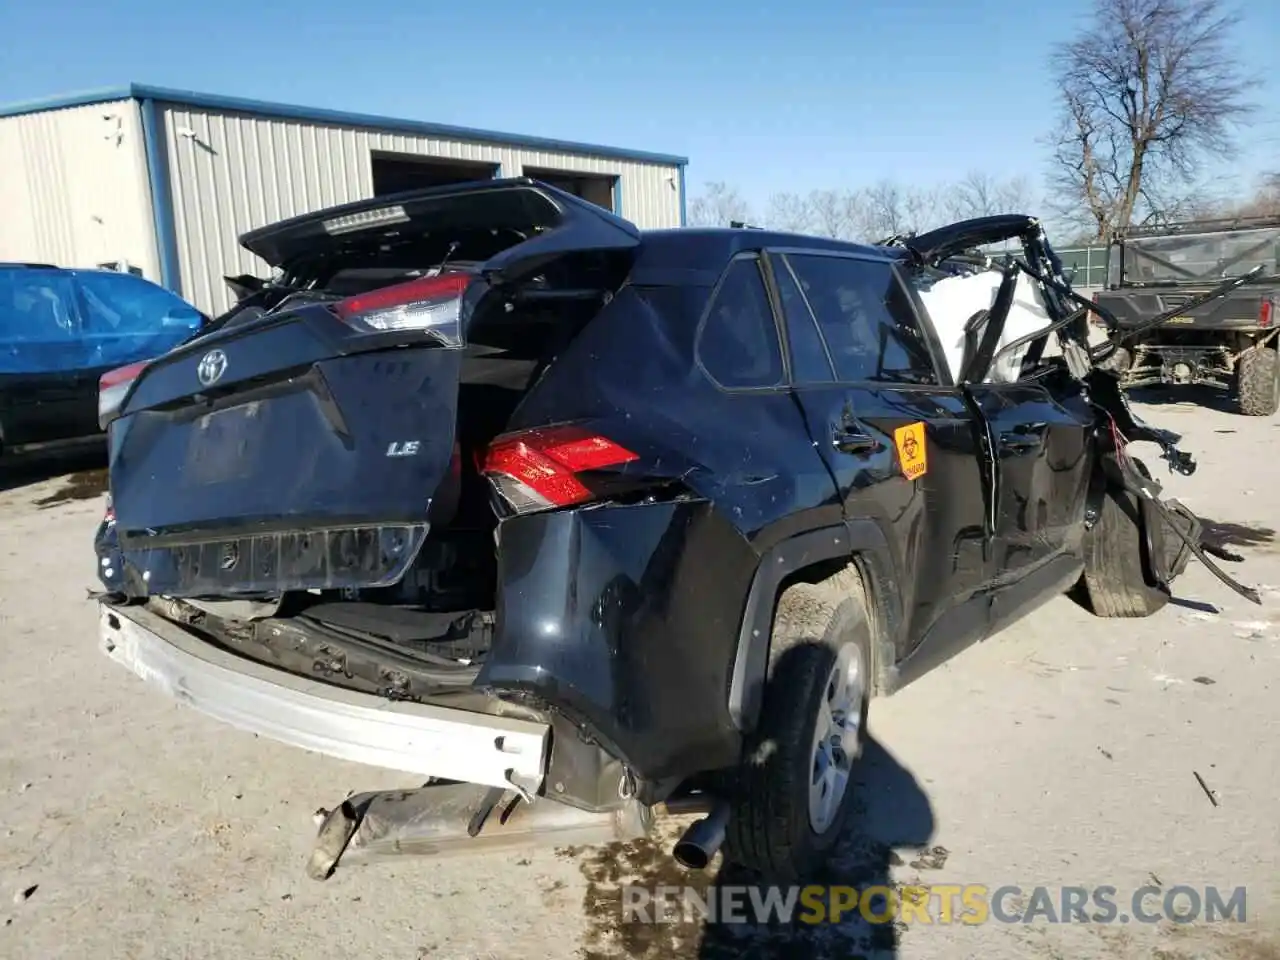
(224, 445)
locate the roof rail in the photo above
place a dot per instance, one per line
(1208, 225)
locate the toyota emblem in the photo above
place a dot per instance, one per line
(212, 366)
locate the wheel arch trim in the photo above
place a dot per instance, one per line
(860, 541)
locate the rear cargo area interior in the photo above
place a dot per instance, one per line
(448, 594)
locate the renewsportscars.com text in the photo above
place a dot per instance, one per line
(969, 904)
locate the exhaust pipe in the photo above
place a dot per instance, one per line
(703, 839)
(459, 818)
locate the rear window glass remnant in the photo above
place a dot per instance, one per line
(866, 318)
(809, 360)
(738, 345)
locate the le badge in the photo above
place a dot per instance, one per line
(912, 455)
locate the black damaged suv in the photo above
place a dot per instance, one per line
(581, 521)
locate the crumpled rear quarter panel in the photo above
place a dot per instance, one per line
(626, 618)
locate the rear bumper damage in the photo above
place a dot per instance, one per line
(491, 781)
(416, 738)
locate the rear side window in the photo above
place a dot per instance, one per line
(866, 318)
(738, 344)
(810, 362)
(119, 303)
(37, 306)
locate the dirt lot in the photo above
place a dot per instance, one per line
(1063, 752)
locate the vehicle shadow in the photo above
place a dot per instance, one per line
(891, 811)
(1207, 397)
(84, 471)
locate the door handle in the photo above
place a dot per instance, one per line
(1020, 442)
(847, 440)
(1035, 429)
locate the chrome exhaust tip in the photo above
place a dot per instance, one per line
(702, 841)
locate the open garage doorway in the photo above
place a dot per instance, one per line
(398, 172)
(597, 188)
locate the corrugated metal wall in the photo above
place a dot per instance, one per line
(74, 190)
(233, 172)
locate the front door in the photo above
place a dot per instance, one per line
(1042, 455)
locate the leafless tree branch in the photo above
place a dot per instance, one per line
(718, 206)
(1149, 90)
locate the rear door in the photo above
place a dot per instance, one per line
(47, 391)
(901, 442)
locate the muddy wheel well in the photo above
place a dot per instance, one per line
(836, 580)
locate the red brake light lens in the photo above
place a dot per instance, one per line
(113, 386)
(538, 469)
(429, 303)
(1266, 313)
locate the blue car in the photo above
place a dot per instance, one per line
(60, 330)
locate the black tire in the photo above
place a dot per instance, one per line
(770, 829)
(1116, 583)
(1258, 382)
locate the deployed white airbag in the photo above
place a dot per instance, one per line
(951, 301)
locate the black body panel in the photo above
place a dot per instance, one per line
(1238, 311)
(626, 619)
(42, 407)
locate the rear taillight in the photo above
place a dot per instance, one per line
(541, 469)
(431, 303)
(1266, 313)
(113, 387)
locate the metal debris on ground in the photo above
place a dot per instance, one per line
(1205, 787)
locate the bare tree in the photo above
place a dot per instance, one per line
(979, 194)
(1148, 91)
(1266, 200)
(834, 213)
(789, 212)
(719, 205)
(887, 209)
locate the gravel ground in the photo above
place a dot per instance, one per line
(1063, 752)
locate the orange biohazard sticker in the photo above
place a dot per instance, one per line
(912, 455)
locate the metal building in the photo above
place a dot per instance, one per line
(166, 180)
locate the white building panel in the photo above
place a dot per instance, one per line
(74, 189)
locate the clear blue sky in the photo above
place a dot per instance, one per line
(769, 97)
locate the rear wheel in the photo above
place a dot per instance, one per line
(1116, 583)
(795, 786)
(1258, 382)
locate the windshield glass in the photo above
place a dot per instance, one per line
(1203, 258)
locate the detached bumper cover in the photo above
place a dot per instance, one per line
(410, 737)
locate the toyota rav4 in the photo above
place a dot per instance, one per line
(579, 522)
